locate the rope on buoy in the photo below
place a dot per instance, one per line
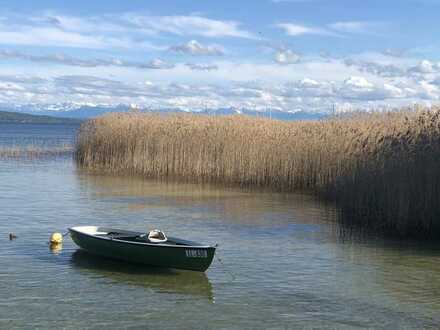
(224, 266)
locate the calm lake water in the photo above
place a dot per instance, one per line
(285, 263)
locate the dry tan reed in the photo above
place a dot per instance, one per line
(382, 169)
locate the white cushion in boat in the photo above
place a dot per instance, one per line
(157, 236)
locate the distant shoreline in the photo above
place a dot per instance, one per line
(7, 117)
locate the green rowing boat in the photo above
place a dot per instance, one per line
(153, 249)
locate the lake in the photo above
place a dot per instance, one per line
(285, 263)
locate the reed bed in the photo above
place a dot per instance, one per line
(382, 169)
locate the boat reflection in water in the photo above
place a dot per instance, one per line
(55, 248)
(155, 278)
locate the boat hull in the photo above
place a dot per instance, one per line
(180, 257)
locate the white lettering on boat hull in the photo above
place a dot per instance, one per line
(196, 253)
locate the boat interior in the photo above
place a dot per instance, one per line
(140, 238)
(152, 237)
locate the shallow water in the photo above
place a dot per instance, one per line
(285, 262)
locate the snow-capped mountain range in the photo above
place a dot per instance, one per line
(88, 110)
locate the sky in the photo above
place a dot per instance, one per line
(290, 55)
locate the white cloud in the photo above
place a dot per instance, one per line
(86, 33)
(127, 30)
(336, 29)
(193, 47)
(393, 68)
(10, 86)
(91, 86)
(190, 25)
(429, 90)
(306, 82)
(375, 68)
(357, 26)
(157, 63)
(359, 83)
(87, 24)
(52, 37)
(22, 79)
(87, 63)
(293, 29)
(327, 55)
(308, 88)
(393, 91)
(394, 52)
(346, 26)
(202, 67)
(359, 88)
(287, 56)
(425, 67)
(307, 93)
(313, 83)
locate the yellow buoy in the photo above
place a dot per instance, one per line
(56, 238)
